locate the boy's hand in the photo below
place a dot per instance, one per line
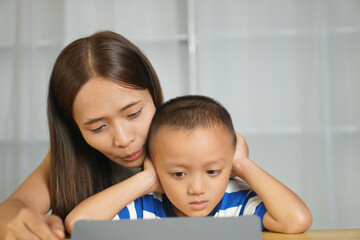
(242, 149)
(149, 167)
(241, 152)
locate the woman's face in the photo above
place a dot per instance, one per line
(114, 119)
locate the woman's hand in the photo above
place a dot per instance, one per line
(241, 152)
(149, 167)
(29, 224)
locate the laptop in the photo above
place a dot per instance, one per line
(202, 228)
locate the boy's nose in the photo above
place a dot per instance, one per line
(197, 185)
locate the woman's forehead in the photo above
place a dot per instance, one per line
(101, 95)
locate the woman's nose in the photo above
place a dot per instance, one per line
(197, 185)
(122, 136)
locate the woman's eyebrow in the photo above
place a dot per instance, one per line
(122, 109)
(93, 120)
(129, 105)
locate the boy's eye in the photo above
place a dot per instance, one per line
(98, 129)
(178, 174)
(213, 172)
(133, 115)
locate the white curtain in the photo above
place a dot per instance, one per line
(287, 70)
(30, 39)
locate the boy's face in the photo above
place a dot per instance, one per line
(193, 167)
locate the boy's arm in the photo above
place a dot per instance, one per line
(286, 212)
(107, 203)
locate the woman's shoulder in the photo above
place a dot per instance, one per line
(45, 164)
(34, 191)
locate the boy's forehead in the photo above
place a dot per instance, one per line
(168, 129)
(190, 139)
(165, 131)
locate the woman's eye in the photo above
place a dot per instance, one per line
(98, 129)
(213, 172)
(133, 115)
(178, 174)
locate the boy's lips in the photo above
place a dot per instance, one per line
(198, 205)
(133, 156)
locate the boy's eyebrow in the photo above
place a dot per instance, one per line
(122, 109)
(172, 164)
(215, 161)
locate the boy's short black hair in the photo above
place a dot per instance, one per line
(191, 112)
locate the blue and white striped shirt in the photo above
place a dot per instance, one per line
(238, 200)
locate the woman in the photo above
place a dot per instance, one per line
(92, 147)
(103, 93)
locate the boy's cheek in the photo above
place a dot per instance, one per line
(166, 182)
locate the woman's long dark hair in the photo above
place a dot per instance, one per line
(77, 170)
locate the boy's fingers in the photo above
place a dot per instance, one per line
(242, 149)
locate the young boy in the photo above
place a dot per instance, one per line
(192, 144)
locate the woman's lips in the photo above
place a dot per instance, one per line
(198, 205)
(134, 156)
